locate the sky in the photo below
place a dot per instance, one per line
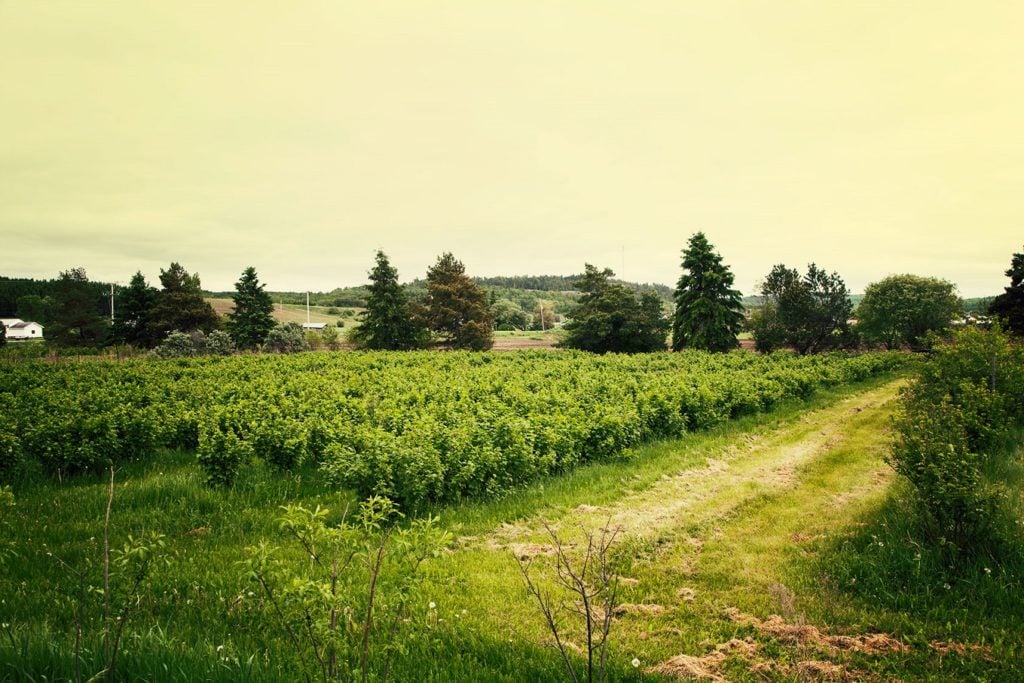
(526, 137)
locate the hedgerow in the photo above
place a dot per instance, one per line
(415, 427)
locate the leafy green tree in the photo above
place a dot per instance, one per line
(287, 338)
(132, 307)
(903, 309)
(544, 316)
(456, 307)
(609, 318)
(809, 313)
(180, 305)
(709, 312)
(76, 318)
(3, 335)
(1010, 304)
(388, 322)
(253, 316)
(35, 308)
(508, 315)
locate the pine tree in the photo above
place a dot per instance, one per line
(253, 316)
(387, 323)
(1010, 304)
(610, 319)
(76, 312)
(131, 312)
(456, 307)
(709, 312)
(180, 306)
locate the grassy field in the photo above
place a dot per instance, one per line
(718, 531)
(294, 313)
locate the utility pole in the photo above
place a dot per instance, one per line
(307, 307)
(111, 303)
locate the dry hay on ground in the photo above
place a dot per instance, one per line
(649, 610)
(810, 636)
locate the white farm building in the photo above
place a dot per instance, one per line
(17, 329)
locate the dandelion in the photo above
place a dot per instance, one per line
(946, 586)
(432, 605)
(220, 648)
(635, 663)
(988, 571)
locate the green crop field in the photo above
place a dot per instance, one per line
(737, 488)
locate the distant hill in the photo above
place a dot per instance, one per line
(524, 290)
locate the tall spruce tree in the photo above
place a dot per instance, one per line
(387, 323)
(180, 305)
(131, 313)
(1010, 304)
(253, 316)
(709, 312)
(456, 307)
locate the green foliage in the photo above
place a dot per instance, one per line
(508, 315)
(132, 313)
(286, 338)
(709, 312)
(456, 307)
(35, 308)
(343, 606)
(252, 318)
(903, 309)
(7, 550)
(180, 305)
(809, 313)
(3, 336)
(182, 345)
(609, 318)
(416, 427)
(388, 323)
(1009, 306)
(330, 337)
(952, 431)
(76, 320)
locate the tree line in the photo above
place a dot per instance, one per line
(808, 312)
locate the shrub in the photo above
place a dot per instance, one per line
(955, 423)
(287, 338)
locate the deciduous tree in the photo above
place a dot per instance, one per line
(456, 307)
(903, 309)
(253, 316)
(388, 322)
(709, 312)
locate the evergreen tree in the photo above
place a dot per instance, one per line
(610, 319)
(1010, 304)
(709, 312)
(180, 305)
(809, 313)
(76, 318)
(131, 313)
(387, 323)
(456, 307)
(253, 316)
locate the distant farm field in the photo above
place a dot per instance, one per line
(294, 313)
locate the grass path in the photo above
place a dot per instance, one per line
(714, 545)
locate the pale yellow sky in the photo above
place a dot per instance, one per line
(526, 137)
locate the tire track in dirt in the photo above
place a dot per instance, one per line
(752, 465)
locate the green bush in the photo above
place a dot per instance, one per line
(953, 427)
